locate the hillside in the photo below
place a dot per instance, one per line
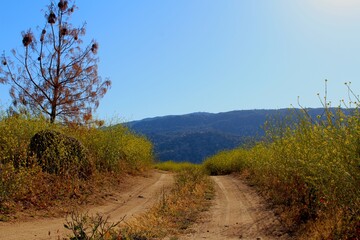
(193, 137)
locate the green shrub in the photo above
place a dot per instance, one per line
(225, 162)
(60, 154)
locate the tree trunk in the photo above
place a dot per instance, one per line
(53, 113)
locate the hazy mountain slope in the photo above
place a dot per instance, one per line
(193, 137)
(194, 146)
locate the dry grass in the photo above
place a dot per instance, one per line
(177, 209)
(47, 195)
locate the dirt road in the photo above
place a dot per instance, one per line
(135, 199)
(238, 213)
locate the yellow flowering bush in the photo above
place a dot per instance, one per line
(310, 167)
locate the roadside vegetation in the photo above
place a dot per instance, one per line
(309, 169)
(41, 182)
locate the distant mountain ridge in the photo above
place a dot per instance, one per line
(195, 136)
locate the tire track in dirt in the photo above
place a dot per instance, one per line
(131, 202)
(238, 212)
(136, 201)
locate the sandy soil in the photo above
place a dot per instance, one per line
(238, 213)
(136, 198)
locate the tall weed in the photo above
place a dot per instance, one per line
(116, 148)
(310, 168)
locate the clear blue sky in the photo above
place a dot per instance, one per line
(180, 56)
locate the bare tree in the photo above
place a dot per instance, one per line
(55, 74)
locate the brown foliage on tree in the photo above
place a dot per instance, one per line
(54, 74)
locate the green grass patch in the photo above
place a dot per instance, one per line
(175, 166)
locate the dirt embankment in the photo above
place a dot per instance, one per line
(135, 198)
(238, 213)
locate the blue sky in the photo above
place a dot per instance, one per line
(168, 57)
